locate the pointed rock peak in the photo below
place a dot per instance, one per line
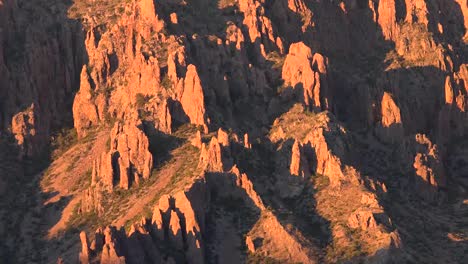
(85, 112)
(197, 140)
(211, 156)
(223, 137)
(390, 111)
(448, 91)
(306, 74)
(295, 167)
(247, 143)
(193, 99)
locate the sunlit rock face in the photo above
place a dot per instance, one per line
(250, 131)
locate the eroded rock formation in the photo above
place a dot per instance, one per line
(304, 131)
(128, 159)
(307, 73)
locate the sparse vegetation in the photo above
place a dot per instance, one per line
(78, 221)
(295, 124)
(258, 258)
(276, 59)
(166, 83)
(104, 12)
(64, 139)
(321, 182)
(141, 100)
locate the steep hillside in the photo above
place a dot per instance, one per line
(233, 131)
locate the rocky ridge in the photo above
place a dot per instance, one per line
(239, 131)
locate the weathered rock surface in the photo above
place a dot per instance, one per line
(128, 159)
(299, 165)
(85, 113)
(390, 128)
(357, 112)
(211, 157)
(307, 73)
(23, 127)
(428, 165)
(192, 99)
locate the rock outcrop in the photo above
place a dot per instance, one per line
(85, 112)
(211, 157)
(390, 128)
(259, 26)
(177, 216)
(128, 160)
(307, 74)
(429, 168)
(328, 140)
(299, 165)
(192, 98)
(340, 99)
(24, 127)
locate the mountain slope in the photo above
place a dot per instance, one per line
(249, 131)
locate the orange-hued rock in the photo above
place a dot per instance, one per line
(176, 65)
(417, 12)
(328, 151)
(449, 96)
(186, 203)
(295, 166)
(211, 158)
(24, 128)
(247, 143)
(92, 200)
(390, 111)
(111, 251)
(181, 216)
(175, 231)
(298, 165)
(148, 69)
(464, 9)
(148, 13)
(307, 73)
(429, 168)
(85, 112)
(162, 117)
(174, 19)
(85, 251)
(259, 26)
(197, 140)
(116, 246)
(455, 88)
(387, 18)
(280, 243)
(245, 184)
(192, 99)
(363, 219)
(128, 156)
(390, 128)
(250, 244)
(103, 171)
(132, 146)
(223, 138)
(326, 139)
(157, 223)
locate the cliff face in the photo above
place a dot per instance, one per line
(40, 64)
(233, 131)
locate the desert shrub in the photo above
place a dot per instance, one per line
(63, 140)
(166, 82)
(276, 59)
(140, 100)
